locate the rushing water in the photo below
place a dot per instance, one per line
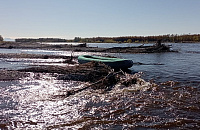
(38, 102)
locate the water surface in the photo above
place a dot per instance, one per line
(39, 102)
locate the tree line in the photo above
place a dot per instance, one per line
(174, 38)
(40, 40)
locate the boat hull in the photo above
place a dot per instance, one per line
(115, 63)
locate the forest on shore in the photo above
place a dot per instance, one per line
(173, 38)
(142, 39)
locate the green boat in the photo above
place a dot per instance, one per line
(115, 63)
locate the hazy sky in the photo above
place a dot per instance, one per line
(92, 18)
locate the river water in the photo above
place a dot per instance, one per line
(173, 104)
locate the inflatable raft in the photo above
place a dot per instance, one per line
(115, 63)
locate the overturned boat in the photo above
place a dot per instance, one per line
(115, 63)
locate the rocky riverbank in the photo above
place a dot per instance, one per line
(84, 48)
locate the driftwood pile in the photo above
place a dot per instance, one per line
(89, 72)
(97, 74)
(31, 56)
(108, 82)
(140, 49)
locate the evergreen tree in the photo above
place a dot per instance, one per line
(1, 38)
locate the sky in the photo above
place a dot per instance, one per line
(97, 18)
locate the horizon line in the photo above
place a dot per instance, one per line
(13, 38)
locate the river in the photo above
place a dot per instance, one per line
(173, 104)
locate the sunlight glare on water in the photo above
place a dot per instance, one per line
(35, 102)
(39, 102)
